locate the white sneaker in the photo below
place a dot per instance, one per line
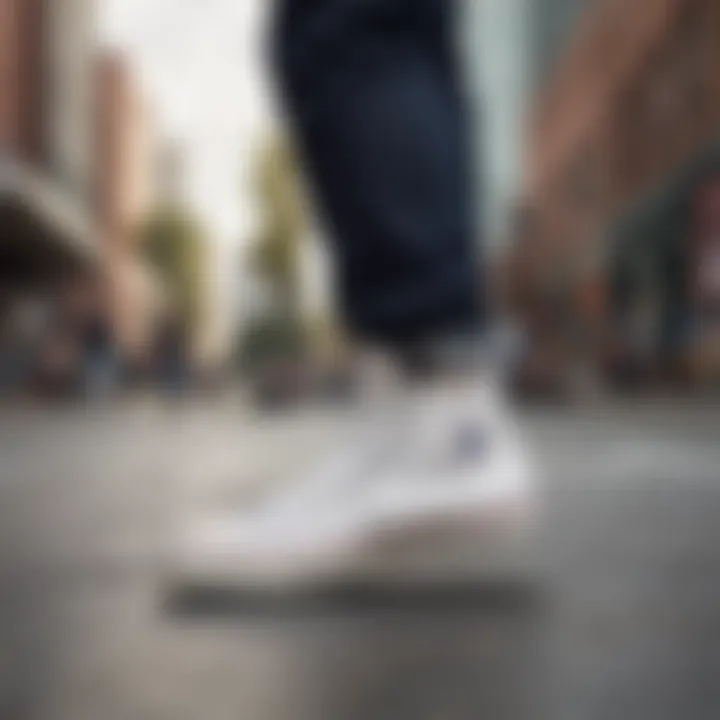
(453, 502)
(464, 506)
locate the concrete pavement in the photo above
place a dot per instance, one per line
(89, 498)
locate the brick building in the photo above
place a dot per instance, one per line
(21, 80)
(125, 153)
(45, 224)
(632, 100)
(76, 174)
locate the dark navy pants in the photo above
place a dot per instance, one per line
(374, 93)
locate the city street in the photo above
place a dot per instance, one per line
(627, 625)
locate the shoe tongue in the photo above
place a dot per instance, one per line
(454, 418)
(361, 461)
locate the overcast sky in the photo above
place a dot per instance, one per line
(201, 63)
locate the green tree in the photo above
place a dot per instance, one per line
(174, 245)
(278, 333)
(284, 217)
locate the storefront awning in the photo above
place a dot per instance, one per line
(43, 232)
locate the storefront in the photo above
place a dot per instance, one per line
(43, 235)
(46, 245)
(665, 277)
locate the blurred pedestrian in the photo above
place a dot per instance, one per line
(172, 356)
(100, 358)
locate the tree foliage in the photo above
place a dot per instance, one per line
(276, 253)
(277, 333)
(173, 243)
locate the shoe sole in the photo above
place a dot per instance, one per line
(460, 552)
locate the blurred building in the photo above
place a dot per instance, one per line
(76, 175)
(629, 103)
(126, 146)
(45, 223)
(552, 27)
(170, 173)
(512, 47)
(497, 35)
(69, 56)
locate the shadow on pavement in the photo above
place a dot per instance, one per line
(511, 597)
